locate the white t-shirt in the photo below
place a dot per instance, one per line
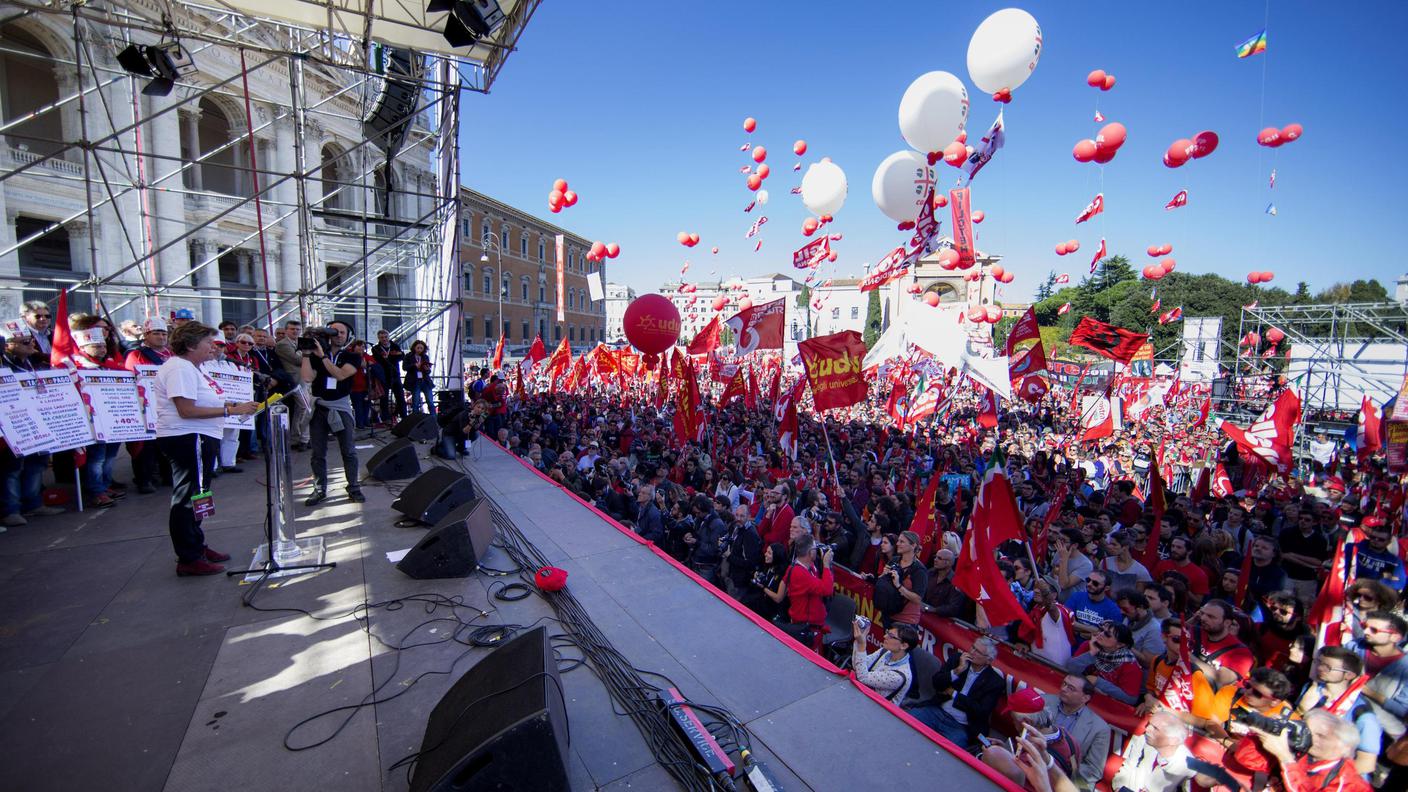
(179, 377)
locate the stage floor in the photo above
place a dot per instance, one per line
(116, 674)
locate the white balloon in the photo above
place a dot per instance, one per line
(901, 184)
(933, 111)
(1004, 50)
(762, 197)
(824, 188)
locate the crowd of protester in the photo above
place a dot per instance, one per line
(770, 530)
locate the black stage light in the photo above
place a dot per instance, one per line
(468, 20)
(134, 61)
(162, 62)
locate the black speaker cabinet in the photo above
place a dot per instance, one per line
(418, 427)
(454, 546)
(396, 460)
(434, 494)
(502, 726)
(394, 108)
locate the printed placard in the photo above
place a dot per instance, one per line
(114, 409)
(235, 385)
(146, 375)
(24, 432)
(62, 412)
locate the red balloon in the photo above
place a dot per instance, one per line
(1270, 136)
(1109, 82)
(754, 181)
(683, 238)
(1166, 266)
(809, 226)
(831, 256)
(977, 314)
(720, 302)
(554, 208)
(940, 201)
(569, 198)
(962, 138)
(996, 271)
(1165, 249)
(1153, 251)
(745, 303)
(1289, 133)
(1111, 136)
(1072, 246)
(612, 250)
(1152, 271)
(955, 153)
(763, 171)
(1084, 151)
(1177, 153)
(652, 323)
(715, 251)
(1274, 335)
(1007, 277)
(1204, 143)
(992, 314)
(693, 240)
(598, 250)
(560, 185)
(1103, 156)
(931, 299)
(1095, 79)
(1253, 277)
(1267, 277)
(799, 148)
(750, 124)
(554, 198)
(978, 216)
(1061, 249)
(759, 153)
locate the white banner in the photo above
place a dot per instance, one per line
(20, 423)
(1200, 348)
(114, 409)
(60, 410)
(234, 384)
(146, 374)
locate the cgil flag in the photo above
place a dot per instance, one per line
(756, 226)
(1179, 198)
(1253, 46)
(1272, 436)
(1368, 435)
(1115, 343)
(1095, 207)
(1099, 254)
(995, 520)
(758, 327)
(1063, 310)
(1064, 277)
(983, 153)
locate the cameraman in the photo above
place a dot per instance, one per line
(329, 366)
(1327, 765)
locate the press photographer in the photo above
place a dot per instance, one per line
(328, 366)
(1327, 764)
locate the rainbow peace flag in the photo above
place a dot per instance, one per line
(1252, 46)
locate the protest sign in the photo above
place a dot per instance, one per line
(114, 409)
(24, 432)
(60, 410)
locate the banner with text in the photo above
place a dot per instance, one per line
(235, 385)
(114, 409)
(25, 432)
(833, 364)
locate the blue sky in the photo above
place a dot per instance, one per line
(640, 106)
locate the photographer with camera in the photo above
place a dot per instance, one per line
(329, 367)
(1325, 765)
(1337, 687)
(805, 590)
(886, 670)
(900, 588)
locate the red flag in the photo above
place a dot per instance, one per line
(662, 373)
(736, 388)
(1041, 541)
(924, 523)
(1328, 609)
(1244, 578)
(833, 364)
(1172, 316)
(1063, 310)
(1064, 277)
(758, 326)
(707, 339)
(1202, 414)
(1272, 436)
(995, 520)
(787, 431)
(962, 214)
(1221, 482)
(750, 399)
(1095, 207)
(1157, 502)
(1024, 330)
(498, 361)
(988, 417)
(561, 359)
(578, 375)
(1179, 198)
(1153, 309)
(1034, 389)
(1115, 343)
(62, 348)
(518, 385)
(537, 351)
(1099, 254)
(1033, 361)
(1202, 486)
(775, 389)
(1370, 433)
(1100, 421)
(897, 403)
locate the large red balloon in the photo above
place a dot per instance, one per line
(1290, 132)
(764, 171)
(1267, 277)
(1111, 136)
(560, 185)
(992, 314)
(1095, 79)
(598, 250)
(978, 216)
(977, 314)
(996, 271)
(1165, 249)
(750, 124)
(1204, 143)
(1152, 272)
(555, 198)
(799, 148)
(652, 323)
(1061, 249)
(1153, 251)
(1270, 136)
(759, 153)
(1007, 277)
(1072, 246)
(809, 226)
(1109, 82)
(931, 299)
(1166, 266)
(1253, 277)
(1103, 156)
(1084, 151)
(940, 201)
(754, 181)
(683, 238)
(612, 250)
(1274, 335)
(1177, 153)
(693, 240)
(955, 153)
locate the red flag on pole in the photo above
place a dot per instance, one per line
(924, 523)
(498, 361)
(62, 347)
(833, 364)
(995, 520)
(707, 339)
(537, 351)
(1370, 432)
(1107, 340)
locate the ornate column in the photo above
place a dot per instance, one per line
(287, 278)
(207, 279)
(190, 129)
(168, 202)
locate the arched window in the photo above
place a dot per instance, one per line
(571, 259)
(542, 250)
(525, 288)
(488, 282)
(29, 84)
(505, 293)
(219, 171)
(523, 244)
(503, 238)
(485, 233)
(571, 298)
(469, 279)
(542, 292)
(381, 193)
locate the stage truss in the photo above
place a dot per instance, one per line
(322, 218)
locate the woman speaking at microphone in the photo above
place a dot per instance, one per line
(190, 417)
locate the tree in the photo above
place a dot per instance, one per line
(804, 300)
(1112, 270)
(872, 319)
(1359, 291)
(1047, 288)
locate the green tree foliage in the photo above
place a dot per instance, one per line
(872, 319)
(1360, 291)
(1112, 271)
(1047, 287)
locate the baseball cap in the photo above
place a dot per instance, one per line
(1025, 701)
(1373, 521)
(184, 313)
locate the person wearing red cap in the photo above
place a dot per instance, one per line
(1372, 559)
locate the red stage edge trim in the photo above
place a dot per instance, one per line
(806, 652)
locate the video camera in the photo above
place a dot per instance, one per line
(315, 338)
(1297, 733)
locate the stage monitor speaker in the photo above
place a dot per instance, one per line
(503, 725)
(447, 400)
(434, 494)
(393, 110)
(417, 427)
(454, 546)
(396, 460)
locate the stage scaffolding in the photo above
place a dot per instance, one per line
(314, 216)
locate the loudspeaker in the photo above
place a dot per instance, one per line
(396, 460)
(503, 725)
(447, 400)
(434, 494)
(454, 546)
(391, 114)
(417, 427)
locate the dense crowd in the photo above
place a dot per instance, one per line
(1212, 631)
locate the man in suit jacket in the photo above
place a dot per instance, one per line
(976, 689)
(1070, 710)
